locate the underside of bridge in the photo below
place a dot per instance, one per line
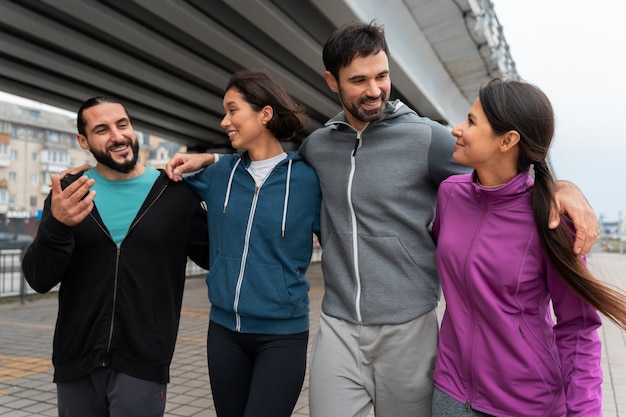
(169, 60)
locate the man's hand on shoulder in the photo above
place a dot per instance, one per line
(571, 201)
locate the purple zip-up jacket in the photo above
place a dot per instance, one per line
(500, 352)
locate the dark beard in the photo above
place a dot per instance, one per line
(125, 167)
(366, 116)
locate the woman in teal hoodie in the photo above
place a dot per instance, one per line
(263, 208)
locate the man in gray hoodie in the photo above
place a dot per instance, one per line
(379, 165)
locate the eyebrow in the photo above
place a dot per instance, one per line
(359, 76)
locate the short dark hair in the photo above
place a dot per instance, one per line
(94, 101)
(352, 40)
(260, 89)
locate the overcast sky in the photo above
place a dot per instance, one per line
(574, 51)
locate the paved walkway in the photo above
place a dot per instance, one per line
(26, 338)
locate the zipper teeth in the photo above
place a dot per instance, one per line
(355, 249)
(244, 258)
(117, 264)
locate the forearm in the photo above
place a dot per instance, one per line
(46, 260)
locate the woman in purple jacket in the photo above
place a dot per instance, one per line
(504, 274)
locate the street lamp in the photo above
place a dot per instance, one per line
(620, 236)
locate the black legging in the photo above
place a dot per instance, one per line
(255, 375)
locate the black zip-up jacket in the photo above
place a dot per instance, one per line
(120, 306)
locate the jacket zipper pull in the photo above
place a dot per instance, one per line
(356, 146)
(468, 405)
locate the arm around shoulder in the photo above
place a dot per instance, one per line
(572, 202)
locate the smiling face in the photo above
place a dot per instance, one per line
(110, 137)
(363, 87)
(477, 144)
(242, 123)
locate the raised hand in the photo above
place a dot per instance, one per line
(72, 205)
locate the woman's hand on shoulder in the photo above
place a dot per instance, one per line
(184, 163)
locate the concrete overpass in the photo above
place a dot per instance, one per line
(169, 60)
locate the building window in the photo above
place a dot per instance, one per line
(34, 179)
(5, 150)
(55, 157)
(33, 201)
(34, 156)
(12, 177)
(53, 137)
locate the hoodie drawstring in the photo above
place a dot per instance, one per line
(286, 197)
(230, 184)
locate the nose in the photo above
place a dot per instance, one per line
(117, 133)
(373, 90)
(457, 132)
(225, 122)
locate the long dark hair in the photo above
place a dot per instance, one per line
(520, 106)
(260, 89)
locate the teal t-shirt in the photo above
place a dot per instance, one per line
(119, 201)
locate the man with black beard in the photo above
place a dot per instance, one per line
(116, 239)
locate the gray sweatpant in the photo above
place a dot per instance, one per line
(109, 393)
(389, 367)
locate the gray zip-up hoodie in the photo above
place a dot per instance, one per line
(379, 187)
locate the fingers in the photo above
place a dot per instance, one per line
(554, 218)
(586, 235)
(172, 164)
(182, 163)
(572, 202)
(55, 184)
(71, 205)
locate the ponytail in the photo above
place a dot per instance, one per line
(557, 243)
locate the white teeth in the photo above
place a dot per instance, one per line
(231, 133)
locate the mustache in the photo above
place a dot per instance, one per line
(381, 96)
(123, 142)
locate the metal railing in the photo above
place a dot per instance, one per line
(13, 284)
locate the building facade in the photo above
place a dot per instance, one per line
(35, 143)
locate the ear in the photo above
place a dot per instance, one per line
(331, 81)
(267, 113)
(82, 141)
(509, 140)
